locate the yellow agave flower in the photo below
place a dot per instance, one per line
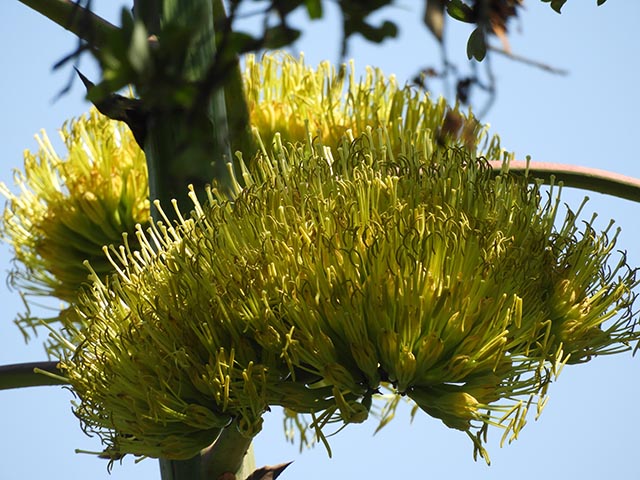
(330, 275)
(66, 209)
(287, 97)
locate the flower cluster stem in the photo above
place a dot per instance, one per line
(230, 453)
(585, 178)
(33, 374)
(227, 454)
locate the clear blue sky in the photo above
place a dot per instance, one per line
(588, 429)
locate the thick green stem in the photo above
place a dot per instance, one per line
(80, 21)
(181, 469)
(227, 454)
(591, 179)
(188, 146)
(240, 136)
(230, 453)
(34, 374)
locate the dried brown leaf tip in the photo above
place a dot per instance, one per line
(499, 14)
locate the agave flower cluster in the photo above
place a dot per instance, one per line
(67, 209)
(365, 247)
(330, 275)
(288, 98)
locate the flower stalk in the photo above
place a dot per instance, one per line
(34, 374)
(585, 178)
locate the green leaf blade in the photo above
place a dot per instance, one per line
(477, 46)
(459, 10)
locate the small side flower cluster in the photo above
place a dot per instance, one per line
(330, 276)
(67, 209)
(288, 98)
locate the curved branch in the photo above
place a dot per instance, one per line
(592, 179)
(34, 374)
(80, 21)
(528, 61)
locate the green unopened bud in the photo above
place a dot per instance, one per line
(455, 409)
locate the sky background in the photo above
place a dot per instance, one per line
(589, 427)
